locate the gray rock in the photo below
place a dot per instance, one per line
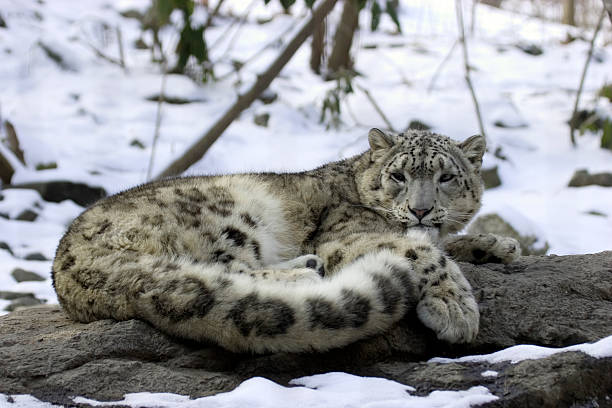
(262, 119)
(418, 125)
(7, 295)
(549, 301)
(268, 96)
(58, 191)
(35, 256)
(21, 275)
(6, 247)
(494, 224)
(531, 49)
(27, 215)
(25, 301)
(490, 177)
(582, 178)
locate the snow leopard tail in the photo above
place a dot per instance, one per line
(244, 314)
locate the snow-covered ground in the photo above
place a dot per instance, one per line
(85, 116)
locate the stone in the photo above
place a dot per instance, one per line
(58, 191)
(21, 275)
(495, 224)
(490, 177)
(531, 49)
(582, 178)
(174, 100)
(262, 119)
(25, 301)
(35, 256)
(8, 295)
(268, 96)
(6, 247)
(552, 301)
(27, 215)
(418, 125)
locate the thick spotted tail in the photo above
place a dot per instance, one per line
(242, 313)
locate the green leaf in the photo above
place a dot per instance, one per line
(361, 4)
(606, 92)
(162, 9)
(266, 2)
(191, 43)
(606, 137)
(287, 3)
(309, 3)
(376, 12)
(392, 12)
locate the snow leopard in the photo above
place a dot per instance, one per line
(290, 262)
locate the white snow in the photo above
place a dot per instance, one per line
(516, 354)
(331, 390)
(489, 373)
(85, 118)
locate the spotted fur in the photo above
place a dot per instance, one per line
(238, 259)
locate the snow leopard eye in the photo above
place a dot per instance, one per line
(398, 177)
(445, 178)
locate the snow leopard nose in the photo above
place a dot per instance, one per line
(419, 212)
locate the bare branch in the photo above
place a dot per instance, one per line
(376, 107)
(466, 64)
(121, 52)
(436, 74)
(195, 152)
(608, 7)
(212, 15)
(158, 117)
(13, 141)
(6, 169)
(104, 56)
(583, 76)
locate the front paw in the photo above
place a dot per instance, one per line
(496, 249)
(448, 307)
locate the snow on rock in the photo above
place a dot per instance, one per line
(331, 390)
(515, 354)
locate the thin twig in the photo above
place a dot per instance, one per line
(104, 56)
(121, 52)
(376, 107)
(158, 118)
(584, 71)
(473, 17)
(212, 15)
(466, 63)
(434, 78)
(278, 40)
(240, 23)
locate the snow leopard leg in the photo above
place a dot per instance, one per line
(446, 303)
(483, 248)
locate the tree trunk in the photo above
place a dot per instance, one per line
(343, 39)
(569, 12)
(195, 152)
(608, 7)
(316, 48)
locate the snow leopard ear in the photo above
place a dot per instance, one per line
(474, 148)
(379, 140)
